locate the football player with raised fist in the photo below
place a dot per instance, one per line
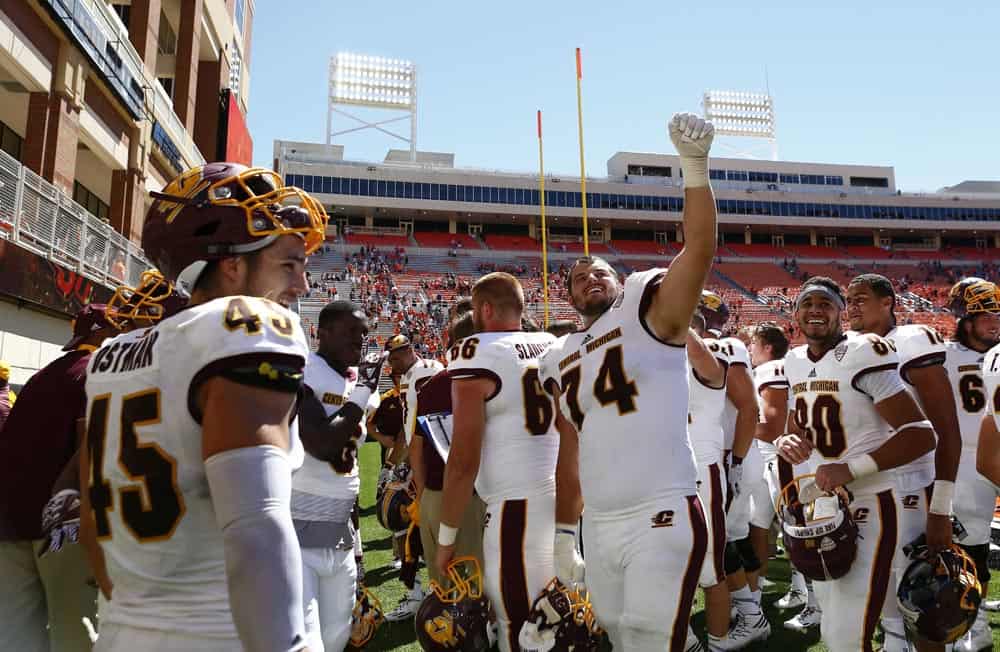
(853, 420)
(645, 532)
(190, 448)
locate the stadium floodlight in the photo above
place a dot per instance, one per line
(742, 114)
(372, 82)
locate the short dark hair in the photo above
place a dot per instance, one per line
(335, 311)
(878, 284)
(773, 335)
(461, 327)
(462, 305)
(560, 327)
(827, 282)
(583, 260)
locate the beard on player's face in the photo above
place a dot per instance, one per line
(985, 331)
(594, 289)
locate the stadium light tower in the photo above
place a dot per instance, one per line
(744, 115)
(373, 82)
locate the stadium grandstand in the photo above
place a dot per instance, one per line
(405, 237)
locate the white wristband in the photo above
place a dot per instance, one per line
(695, 170)
(943, 497)
(566, 528)
(359, 396)
(862, 466)
(447, 535)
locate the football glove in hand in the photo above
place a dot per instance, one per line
(60, 521)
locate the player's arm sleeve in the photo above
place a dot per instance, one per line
(251, 492)
(471, 358)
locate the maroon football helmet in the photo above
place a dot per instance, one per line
(224, 209)
(455, 619)
(560, 620)
(714, 310)
(153, 299)
(939, 595)
(822, 546)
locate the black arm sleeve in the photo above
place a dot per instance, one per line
(325, 437)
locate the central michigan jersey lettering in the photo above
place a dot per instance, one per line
(627, 394)
(148, 491)
(831, 404)
(317, 477)
(520, 443)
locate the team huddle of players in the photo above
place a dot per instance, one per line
(220, 472)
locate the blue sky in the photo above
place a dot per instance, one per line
(882, 82)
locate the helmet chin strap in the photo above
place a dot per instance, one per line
(189, 276)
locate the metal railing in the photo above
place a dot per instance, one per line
(106, 38)
(38, 216)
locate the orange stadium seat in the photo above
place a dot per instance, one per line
(756, 250)
(511, 242)
(644, 247)
(809, 251)
(370, 240)
(445, 240)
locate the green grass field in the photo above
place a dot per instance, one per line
(384, 582)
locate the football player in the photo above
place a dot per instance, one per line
(622, 392)
(768, 347)
(707, 364)
(434, 405)
(847, 397)
(46, 596)
(976, 304)
(988, 452)
(504, 442)
(744, 469)
(338, 389)
(871, 302)
(190, 450)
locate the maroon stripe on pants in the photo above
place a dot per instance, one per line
(882, 568)
(718, 512)
(513, 578)
(699, 544)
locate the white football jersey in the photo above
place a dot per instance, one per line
(917, 346)
(965, 371)
(835, 397)
(991, 378)
(411, 382)
(705, 407)
(520, 442)
(626, 391)
(148, 489)
(319, 492)
(739, 362)
(768, 375)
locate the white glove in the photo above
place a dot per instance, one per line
(569, 564)
(736, 477)
(692, 137)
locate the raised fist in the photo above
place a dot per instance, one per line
(691, 135)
